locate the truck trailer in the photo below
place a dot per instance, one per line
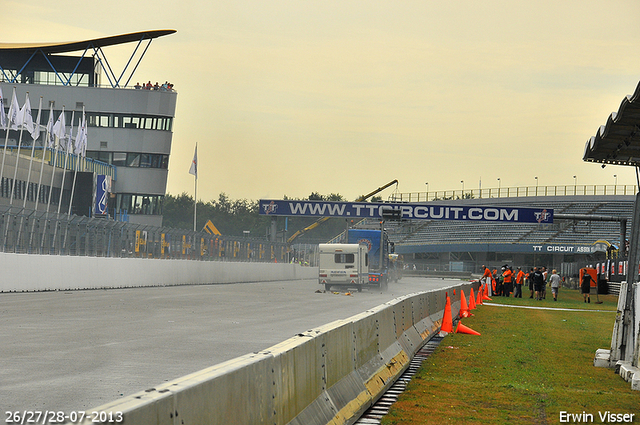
(381, 269)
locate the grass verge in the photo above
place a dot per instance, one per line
(527, 367)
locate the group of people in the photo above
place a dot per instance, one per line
(511, 282)
(164, 87)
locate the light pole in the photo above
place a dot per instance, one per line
(536, 177)
(575, 180)
(462, 181)
(427, 195)
(615, 177)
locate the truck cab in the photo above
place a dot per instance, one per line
(345, 265)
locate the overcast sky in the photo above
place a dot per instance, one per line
(294, 97)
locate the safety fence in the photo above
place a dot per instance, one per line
(28, 231)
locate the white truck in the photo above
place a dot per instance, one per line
(345, 265)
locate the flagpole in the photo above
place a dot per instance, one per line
(64, 174)
(45, 146)
(56, 146)
(194, 170)
(7, 128)
(66, 159)
(33, 149)
(78, 152)
(55, 133)
(44, 152)
(15, 170)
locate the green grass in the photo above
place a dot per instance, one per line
(526, 367)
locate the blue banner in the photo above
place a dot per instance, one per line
(103, 188)
(408, 211)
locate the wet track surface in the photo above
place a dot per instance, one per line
(76, 350)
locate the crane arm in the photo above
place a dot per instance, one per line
(323, 219)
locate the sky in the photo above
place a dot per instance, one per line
(286, 98)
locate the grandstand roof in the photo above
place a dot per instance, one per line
(618, 141)
(73, 46)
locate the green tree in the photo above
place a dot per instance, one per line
(234, 217)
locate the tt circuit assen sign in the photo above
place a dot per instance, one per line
(362, 210)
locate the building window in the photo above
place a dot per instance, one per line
(131, 159)
(139, 204)
(106, 120)
(119, 158)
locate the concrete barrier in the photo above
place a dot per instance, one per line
(30, 272)
(327, 375)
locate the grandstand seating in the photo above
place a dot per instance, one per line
(565, 232)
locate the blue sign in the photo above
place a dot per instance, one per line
(103, 188)
(360, 210)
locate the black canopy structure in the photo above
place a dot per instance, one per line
(618, 142)
(19, 61)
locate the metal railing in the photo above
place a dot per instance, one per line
(37, 232)
(62, 160)
(516, 192)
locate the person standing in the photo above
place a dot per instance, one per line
(494, 282)
(486, 279)
(507, 275)
(519, 283)
(545, 276)
(585, 285)
(530, 279)
(538, 283)
(554, 280)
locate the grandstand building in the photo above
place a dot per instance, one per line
(570, 242)
(129, 129)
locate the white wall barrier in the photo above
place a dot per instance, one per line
(629, 368)
(327, 375)
(29, 272)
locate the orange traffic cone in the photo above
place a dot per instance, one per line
(464, 308)
(465, 330)
(447, 322)
(480, 292)
(485, 296)
(472, 301)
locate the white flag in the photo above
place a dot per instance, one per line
(50, 136)
(15, 118)
(69, 145)
(3, 117)
(81, 137)
(194, 164)
(27, 119)
(59, 128)
(84, 135)
(35, 133)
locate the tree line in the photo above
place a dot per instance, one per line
(236, 217)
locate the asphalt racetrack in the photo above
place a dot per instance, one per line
(76, 350)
